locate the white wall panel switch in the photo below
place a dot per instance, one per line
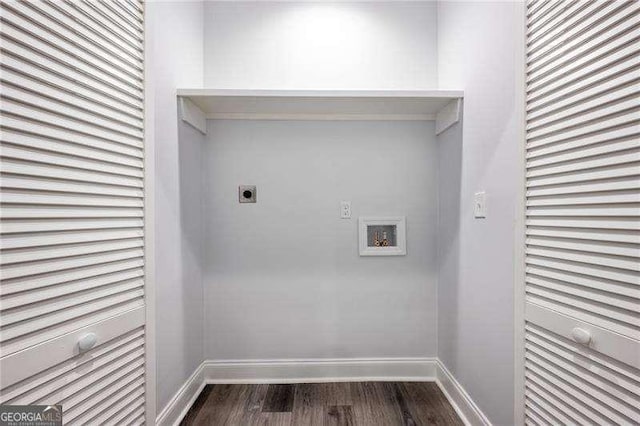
(480, 205)
(345, 209)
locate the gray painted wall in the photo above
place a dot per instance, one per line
(283, 276)
(479, 51)
(176, 61)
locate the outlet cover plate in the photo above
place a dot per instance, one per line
(345, 209)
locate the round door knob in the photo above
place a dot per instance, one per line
(87, 341)
(581, 336)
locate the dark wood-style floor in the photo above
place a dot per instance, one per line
(364, 403)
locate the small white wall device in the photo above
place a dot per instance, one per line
(480, 205)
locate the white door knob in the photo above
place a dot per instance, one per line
(87, 341)
(581, 336)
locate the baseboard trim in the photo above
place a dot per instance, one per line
(318, 371)
(466, 408)
(179, 405)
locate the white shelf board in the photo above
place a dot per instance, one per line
(320, 104)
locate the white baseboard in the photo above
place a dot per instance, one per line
(321, 370)
(177, 407)
(466, 408)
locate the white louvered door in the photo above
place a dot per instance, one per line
(582, 213)
(72, 207)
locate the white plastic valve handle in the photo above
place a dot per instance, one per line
(581, 336)
(87, 341)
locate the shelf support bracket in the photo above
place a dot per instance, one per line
(191, 114)
(448, 115)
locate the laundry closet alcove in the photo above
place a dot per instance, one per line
(283, 278)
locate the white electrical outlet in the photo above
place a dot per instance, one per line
(345, 209)
(480, 205)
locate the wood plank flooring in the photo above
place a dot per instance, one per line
(323, 404)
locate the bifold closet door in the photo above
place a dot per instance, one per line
(72, 208)
(582, 328)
